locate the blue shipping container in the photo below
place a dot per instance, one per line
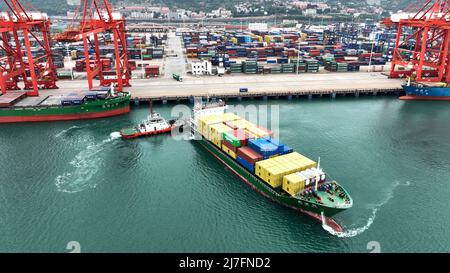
(287, 150)
(246, 164)
(263, 147)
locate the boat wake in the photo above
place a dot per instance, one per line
(355, 231)
(86, 164)
(63, 132)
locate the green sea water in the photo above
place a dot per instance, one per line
(76, 181)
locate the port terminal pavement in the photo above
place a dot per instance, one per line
(264, 86)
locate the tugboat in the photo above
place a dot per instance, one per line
(153, 125)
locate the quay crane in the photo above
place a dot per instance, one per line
(97, 17)
(421, 50)
(31, 63)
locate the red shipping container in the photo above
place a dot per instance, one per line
(230, 124)
(229, 146)
(270, 133)
(249, 155)
(242, 136)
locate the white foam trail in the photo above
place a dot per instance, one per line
(63, 132)
(86, 164)
(352, 231)
(115, 135)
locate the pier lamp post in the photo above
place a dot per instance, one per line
(142, 64)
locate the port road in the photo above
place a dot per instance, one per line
(325, 83)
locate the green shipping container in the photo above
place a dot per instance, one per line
(231, 139)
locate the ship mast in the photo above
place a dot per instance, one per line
(317, 173)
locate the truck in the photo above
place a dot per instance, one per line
(177, 77)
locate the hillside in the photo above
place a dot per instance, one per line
(61, 6)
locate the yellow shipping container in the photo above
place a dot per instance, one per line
(216, 130)
(217, 142)
(229, 117)
(293, 183)
(275, 177)
(268, 169)
(303, 164)
(257, 131)
(229, 152)
(207, 121)
(241, 123)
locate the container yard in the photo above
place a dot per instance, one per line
(285, 51)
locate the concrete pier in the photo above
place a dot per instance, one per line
(259, 86)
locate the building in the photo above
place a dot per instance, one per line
(201, 68)
(258, 27)
(310, 12)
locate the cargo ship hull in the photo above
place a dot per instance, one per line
(414, 92)
(253, 181)
(89, 110)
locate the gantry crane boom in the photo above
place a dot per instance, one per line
(31, 61)
(422, 42)
(97, 17)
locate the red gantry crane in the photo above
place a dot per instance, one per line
(422, 43)
(29, 60)
(98, 18)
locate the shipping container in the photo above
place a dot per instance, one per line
(249, 154)
(229, 146)
(229, 152)
(294, 183)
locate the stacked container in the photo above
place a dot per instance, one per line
(206, 121)
(250, 67)
(263, 147)
(215, 133)
(274, 169)
(235, 68)
(312, 66)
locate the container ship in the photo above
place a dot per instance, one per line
(99, 103)
(267, 165)
(426, 91)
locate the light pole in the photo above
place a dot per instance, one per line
(371, 52)
(142, 64)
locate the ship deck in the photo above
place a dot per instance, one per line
(11, 98)
(327, 202)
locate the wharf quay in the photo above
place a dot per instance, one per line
(263, 87)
